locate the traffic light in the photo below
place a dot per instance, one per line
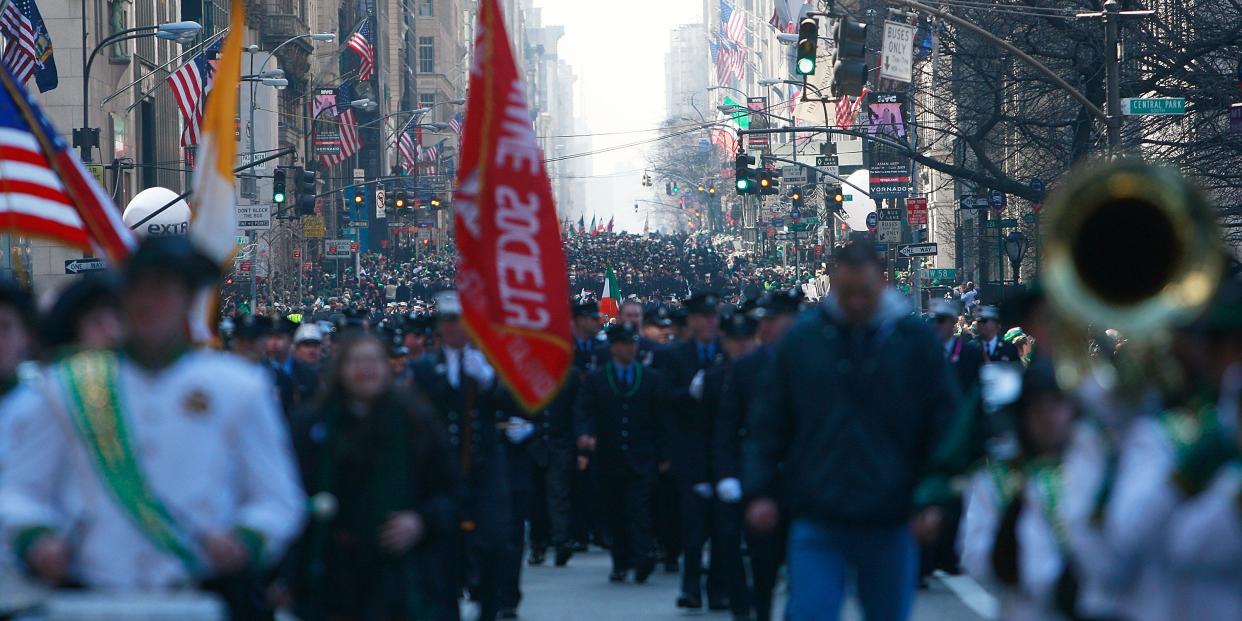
(306, 193)
(399, 199)
(278, 187)
(834, 198)
(742, 174)
(435, 203)
(769, 182)
(808, 41)
(849, 73)
(795, 197)
(668, 188)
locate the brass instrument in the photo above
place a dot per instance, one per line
(1131, 246)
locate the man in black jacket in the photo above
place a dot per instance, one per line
(995, 349)
(685, 364)
(964, 356)
(618, 416)
(464, 389)
(847, 416)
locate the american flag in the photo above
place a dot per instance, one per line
(847, 109)
(19, 50)
(347, 128)
(730, 60)
(44, 189)
(732, 23)
(409, 152)
(431, 158)
(360, 42)
(456, 123)
(190, 85)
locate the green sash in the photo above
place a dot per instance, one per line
(90, 380)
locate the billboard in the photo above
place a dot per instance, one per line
(888, 164)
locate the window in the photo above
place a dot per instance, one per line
(427, 8)
(426, 100)
(426, 55)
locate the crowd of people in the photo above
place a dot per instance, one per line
(371, 464)
(652, 267)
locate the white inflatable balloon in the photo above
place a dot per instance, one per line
(856, 205)
(172, 221)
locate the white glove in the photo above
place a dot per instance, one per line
(696, 386)
(729, 490)
(703, 490)
(475, 365)
(519, 429)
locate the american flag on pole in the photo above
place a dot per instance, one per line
(730, 60)
(847, 109)
(360, 42)
(456, 123)
(44, 189)
(347, 127)
(190, 85)
(430, 157)
(409, 152)
(732, 23)
(19, 49)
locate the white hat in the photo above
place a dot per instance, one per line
(447, 303)
(307, 332)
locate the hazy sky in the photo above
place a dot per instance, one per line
(617, 49)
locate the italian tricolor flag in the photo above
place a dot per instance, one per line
(608, 305)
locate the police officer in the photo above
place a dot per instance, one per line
(685, 364)
(587, 521)
(619, 419)
(995, 348)
(463, 388)
(964, 356)
(775, 313)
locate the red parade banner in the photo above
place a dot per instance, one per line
(511, 274)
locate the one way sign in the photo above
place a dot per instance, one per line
(77, 266)
(917, 250)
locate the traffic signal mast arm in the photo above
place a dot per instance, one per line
(821, 171)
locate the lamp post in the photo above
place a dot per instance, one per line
(87, 137)
(1015, 248)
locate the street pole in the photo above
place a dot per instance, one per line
(254, 235)
(1112, 67)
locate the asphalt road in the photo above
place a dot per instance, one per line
(582, 591)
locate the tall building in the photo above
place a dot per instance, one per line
(685, 80)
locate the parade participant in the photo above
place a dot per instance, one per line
(86, 315)
(656, 323)
(155, 467)
(995, 348)
(776, 313)
(738, 328)
(963, 355)
(1012, 533)
(383, 487)
(847, 414)
(587, 522)
(525, 451)
(684, 364)
(618, 414)
(249, 335)
(462, 387)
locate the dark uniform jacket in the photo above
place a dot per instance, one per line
(851, 414)
(966, 358)
(730, 429)
(1004, 351)
(385, 461)
(688, 423)
(627, 423)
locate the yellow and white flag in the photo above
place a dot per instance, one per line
(214, 225)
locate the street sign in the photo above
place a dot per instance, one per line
(890, 215)
(306, 267)
(1003, 223)
(254, 217)
(245, 266)
(795, 214)
(996, 200)
(803, 234)
(1136, 106)
(297, 254)
(889, 232)
(353, 246)
(312, 227)
(873, 220)
(916, 211)
(897, 60)
(793, 175)
(336, 248)
(940, 273)
(782, 236)
(974, 202)
(772, 231)
(380, 212)
(830, 164)
(798, 226)
(78, 266)
(917, 250)
(778, 222)
(97, 171)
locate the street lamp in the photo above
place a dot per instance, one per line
(181, 32)
(1015, 248)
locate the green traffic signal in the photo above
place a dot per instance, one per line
(743, 184)
(806, 66)
(278, 197)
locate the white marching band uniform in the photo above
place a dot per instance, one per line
(208, 442)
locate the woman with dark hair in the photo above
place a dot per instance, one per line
(382, 486)
(1013, 535)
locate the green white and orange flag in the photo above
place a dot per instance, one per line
(608, 300)
(214, 224)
